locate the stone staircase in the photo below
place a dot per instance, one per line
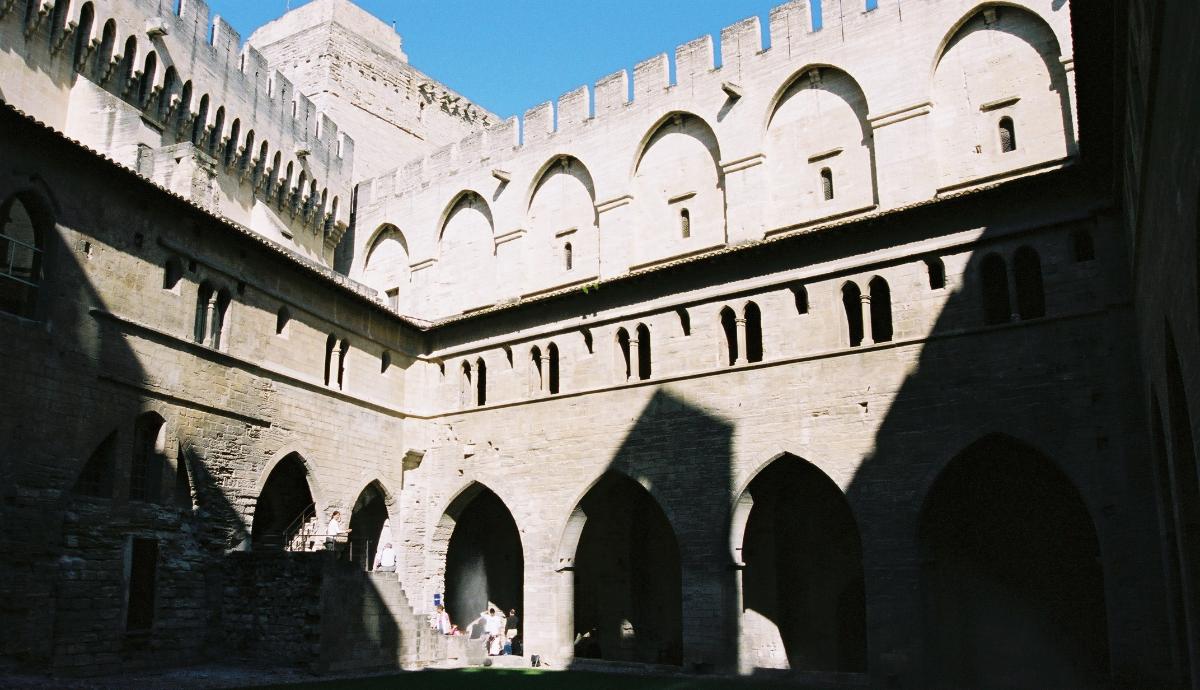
(368, 624)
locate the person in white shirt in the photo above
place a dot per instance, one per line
(385, 560)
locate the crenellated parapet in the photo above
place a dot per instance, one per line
(753, 137)
(133, 74)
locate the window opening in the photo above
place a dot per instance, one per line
(587, 339)
(343, 353)
(1027, 272)
(729, 327)
(1008, 135)
(685, 320)
(393, 299)
(644, 359)
(685, 223)
(330, 343)
(204, 299)
(535, 371)
(754, 344)
(385, 361)
(145, 474)
(552, 355)
(852, 304)
(937, 273)
(568, 258)
(881, 311)
(480, 382)
(993, 278)
(21, 247)
(282, 318)
(623, 348)
(827, 183)
(800, 293)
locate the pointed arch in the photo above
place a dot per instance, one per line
(369, 515)
(286, 504)
(1012, 578)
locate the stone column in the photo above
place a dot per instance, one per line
(741, 340)
(633, 357)
(868, 336)
(545, 374)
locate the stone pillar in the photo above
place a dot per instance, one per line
(868, 336)
(741, 340)
(1015, 315)
(633, 357)
(545, 374)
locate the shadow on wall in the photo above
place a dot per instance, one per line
(640, 542)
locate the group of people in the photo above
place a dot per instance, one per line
(501, 634)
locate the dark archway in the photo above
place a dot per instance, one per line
(366, 525)
(284, 506)
(1011, 576)
(485, 565)
(802, 587)
(628, 600)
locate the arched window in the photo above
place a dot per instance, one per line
(183, 111)
(827, 184)
(282, 318)
(881, 311)
(937, 273)
(480, 382)
(149, 445)
(200, 124)
(22, 242)
(644, 359)
(729, 328)
(172, 273)
(852, 304)
(1027, 275)
(993, 278)
(170, 83)
(232, 146)
(623, 355)
(552, 365)
(535, 369)
(1085, 247)
(464, 385)
(568, 257)
(219, 318)
(204, 304)
(330, 344)
(685, 223)
(343, 355)
(1008, 135)
(754, 344)
(385, 362)
(125, 68)
(108, 42)
(146, 82)
(800, 293)
(218, 129)
(685, 320)
(83, 35)
(587, 339)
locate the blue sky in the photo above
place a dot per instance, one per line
(509, 56)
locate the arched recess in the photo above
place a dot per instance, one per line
(676, 176)
(627, 599)
(478, 548)
(1012, 582)
(387, 266)
(285, 506)
(803, 602)
(562, 212)
(26, 222)
(818, 122)
(466, 253)
(1002, 62)
(367, 520)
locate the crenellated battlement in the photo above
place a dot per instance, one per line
(190, 78)
(884, 134)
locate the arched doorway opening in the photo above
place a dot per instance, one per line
(1011, 576)
(285, 512)
(628, 600)
(485, 565)
(366, 525)
(803, 602)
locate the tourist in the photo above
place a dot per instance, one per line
(512, 629)
(493, 631)
(335, 528)
(385, 560)
(441, 621)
